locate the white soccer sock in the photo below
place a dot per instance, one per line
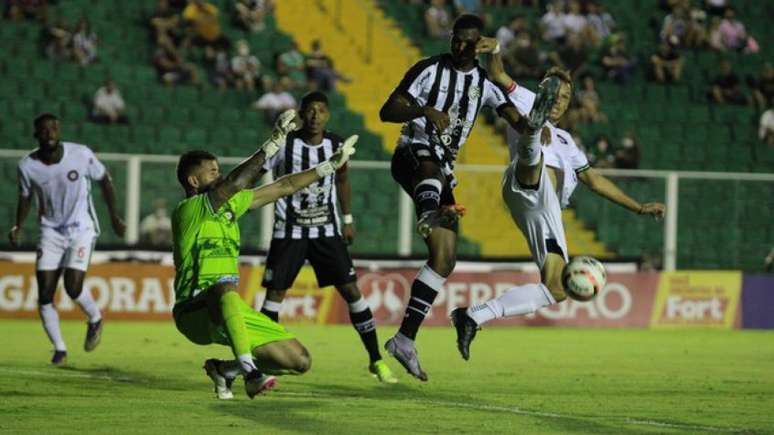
(50, 319)
(246, 363)
(89, 307)
(272, 306)
(517, 301)
(530, 148)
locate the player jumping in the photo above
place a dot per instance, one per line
(544, 171)
(59, 174)
(206, 237)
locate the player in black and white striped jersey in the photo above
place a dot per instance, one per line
(438, 102)
(307, 227)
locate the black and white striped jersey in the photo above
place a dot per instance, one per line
(435, 82)
(311, 212)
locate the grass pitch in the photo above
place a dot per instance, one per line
(145, 378)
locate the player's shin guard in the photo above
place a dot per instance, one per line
(50, 319)
(230, 304)
(88, 306)
(423, 292)
(363, 321)
(529, 149)
(427, 195)
(271, 309)
(517, 301)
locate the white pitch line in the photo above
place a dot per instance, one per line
(473, 406)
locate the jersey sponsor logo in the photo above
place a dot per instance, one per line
(72, 175)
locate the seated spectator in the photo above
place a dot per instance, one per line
(170, 65)
(165, 23)
(681, 29)
(763, 87)
(250, 14)
(714, 37)
(618, 65)
(726, 85)
(588, 102)
(601, 154)
(766, 127)
(574, 22)
(108, 105)
(156, 228)
(16, 10)
(245, 68)
(467, 7)
(628, 154)
(220, 69)
(291, 64)
(506, 34)
(523, 59)
(58, 40)
(571, 56)
(277, 100)
(320, 71)
(84, 43)
(600, 20)
(437, 19)
(732, 31)
(667, 64)
(203, 23)
(552, 23)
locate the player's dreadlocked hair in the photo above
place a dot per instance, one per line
(561, 74)
(188, 161)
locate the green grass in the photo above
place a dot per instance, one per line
(145, 378)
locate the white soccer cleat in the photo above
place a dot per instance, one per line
(222, 383)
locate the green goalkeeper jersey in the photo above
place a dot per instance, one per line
(206, 242)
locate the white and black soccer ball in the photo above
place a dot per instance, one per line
(583, 277)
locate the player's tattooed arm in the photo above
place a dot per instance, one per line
(400, 109)
(109, 194)
(604, 187)
(23, 205)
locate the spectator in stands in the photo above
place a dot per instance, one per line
(170, 65)
(437, 20)
(681, 28)
(467, 7)
(716, 7)
(245, 67)
(320, 71)
(58, 40)
(714, 37)
(732, 31)
(571, 56)
(667, 64)
(277, 100)
(574, 21)
(108, 105)
(766, 127)
(726, 86)
(600, 20)
(202, 19)
(506, 34)
(617, 63)
(156, 228)
(84, 43)
(220, 69)
(523, 59)
(552, 23)
(250, 14)
(291, 64)
(601, 154)
(763, 87)
(30, 9)
(165, 23)
(588, 102)
(627, 156)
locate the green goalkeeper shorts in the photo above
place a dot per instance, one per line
(193, 321)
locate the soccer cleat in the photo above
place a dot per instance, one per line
(402, 348)
(548, 90)
(381, 371)
(93, 335)
(59, 358)
(257, 383)
(222, 383)
(446, 215)
(466, 330)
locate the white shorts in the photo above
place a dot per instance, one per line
(66, 249)
(537, 213)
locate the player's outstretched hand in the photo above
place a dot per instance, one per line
(655, 209)
(13, 235)
(486, 45)
(440, 120)
(119, 227)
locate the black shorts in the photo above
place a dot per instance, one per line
(328, 256)
(404, 166)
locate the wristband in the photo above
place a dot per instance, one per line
(512, 87)
(324, 169)
(496, 49)
(348, 220)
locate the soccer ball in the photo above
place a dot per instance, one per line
(583, 278)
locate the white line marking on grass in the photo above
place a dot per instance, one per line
(473, 406)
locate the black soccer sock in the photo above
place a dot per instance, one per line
(427, 195)
(271, 309)
(423, 292)
(363, 320)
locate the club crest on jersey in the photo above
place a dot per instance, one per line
(229, 216)
(72, 175)
(473, 92)
(446, 139)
